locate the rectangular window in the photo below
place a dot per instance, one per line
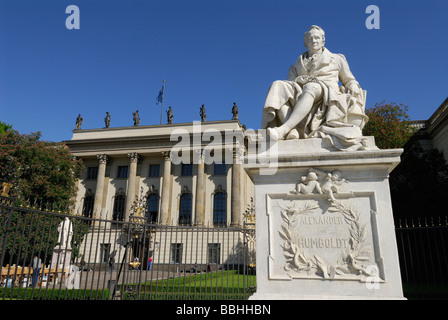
(119, 207)
(219, 209)
(154, 170)
(176, 253)
(187, 169)
(185, 210)
(219, 168)
(104, 252)
(214, 253)
(92, 173)
(122, 172)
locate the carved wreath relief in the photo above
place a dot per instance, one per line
(324, 237)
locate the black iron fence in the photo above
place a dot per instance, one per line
(422, 246)
(52, 255)
(48, 255)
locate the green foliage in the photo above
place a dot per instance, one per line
(41, 171)
(33, 233)
(53, 294)
(4, 127)
(44, 176)
(419, 183)
(389, 124)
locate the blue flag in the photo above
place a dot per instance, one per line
(160, 96)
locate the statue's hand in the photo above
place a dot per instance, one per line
(304, 79)
(354, 89)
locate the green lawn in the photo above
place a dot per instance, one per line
(209, 285)
(219, 285)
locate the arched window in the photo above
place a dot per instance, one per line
(219, 209)
(119, 207)
(87, 210)
(152, 208)
(185, 209)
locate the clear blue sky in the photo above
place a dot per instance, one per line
(210, 52)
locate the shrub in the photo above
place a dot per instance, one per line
(389, 124)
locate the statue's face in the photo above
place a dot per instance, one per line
(314, 41)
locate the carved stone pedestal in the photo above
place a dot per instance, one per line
(324, 224)
(61, 257)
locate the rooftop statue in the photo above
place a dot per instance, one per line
(79, 121)
(235, 111)
(136, 118)
(107, 120)
(311, 104)
(202, 113)
(169, 115)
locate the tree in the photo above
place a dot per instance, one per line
(419, 183)
(389, 124)
(4, 127)
(43, 174)
(41, 171)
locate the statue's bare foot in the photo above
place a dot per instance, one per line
(274, 134)
(293, 134)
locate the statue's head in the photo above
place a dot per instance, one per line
(312, 176)
(314, 37)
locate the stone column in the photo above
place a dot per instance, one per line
(200, 190)
(130, 197)
(98, 204)
(236, 188)
(165, 212)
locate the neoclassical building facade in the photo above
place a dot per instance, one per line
(190, 173)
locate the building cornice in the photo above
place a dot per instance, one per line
(438, 120)
(146, 139)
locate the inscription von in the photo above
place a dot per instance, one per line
(321, 223)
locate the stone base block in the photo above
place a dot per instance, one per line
(324, 224)
(280, 296)
(61, 257)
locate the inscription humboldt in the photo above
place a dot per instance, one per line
(312, 243)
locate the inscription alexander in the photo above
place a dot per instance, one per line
(311, 220)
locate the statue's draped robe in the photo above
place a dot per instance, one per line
(338, 116)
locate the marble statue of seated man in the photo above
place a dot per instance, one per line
(310, 103)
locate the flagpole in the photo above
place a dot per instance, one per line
(163, 93)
